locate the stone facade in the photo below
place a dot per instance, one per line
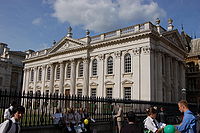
(141, 62)
(11, 68)
(193, 72)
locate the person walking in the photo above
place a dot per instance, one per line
(188, 124)
(132, 126)
(9, 111)
(150, 123)
(12, 125)
(119, 117)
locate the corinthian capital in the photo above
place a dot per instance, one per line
(101, 56)
(147, 49)
(118, 54)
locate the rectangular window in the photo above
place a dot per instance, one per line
(79, 92)
(109, 92)
(67, 92)
(127, 92)
(93, 92)
(1, 81)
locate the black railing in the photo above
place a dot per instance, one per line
(40, 107)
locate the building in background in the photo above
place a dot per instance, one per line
(193, 72)
(141, 62)
(11, 68)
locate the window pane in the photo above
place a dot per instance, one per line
(58, 72)
(109, 92)
(110, 65)
(40, 74)
(127, 63)
(93, 92)
(127, 92)
(68, 70)
(94, 67)
(79, 92)
(32, 75)
(81, 69)
(48, 73)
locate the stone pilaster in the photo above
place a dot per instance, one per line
(136, 69)
(25, 80)
(86, 76)
(117, 90)
(145, 73)
(61, 83)
(43, 78)
(35, 79)
(51, 86)
(101, 68)
(159, 77)
(73, 77)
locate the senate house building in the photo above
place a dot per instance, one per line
(140, 62)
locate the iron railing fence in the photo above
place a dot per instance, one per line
(40, 107)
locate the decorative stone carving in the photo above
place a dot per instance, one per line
(109, 83)
(136, 51)
(56, 86)
(93, 84)
(146, 49)
(101, 57)
(118, 54)
(127, 82)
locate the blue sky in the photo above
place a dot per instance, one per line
(34, 24)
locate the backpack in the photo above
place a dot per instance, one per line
(9, 125)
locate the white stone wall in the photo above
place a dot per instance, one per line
(149, 57)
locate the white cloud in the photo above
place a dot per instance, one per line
(103, 15)
(37, 21)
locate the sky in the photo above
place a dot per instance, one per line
(35, 24)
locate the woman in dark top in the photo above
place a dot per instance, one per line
(132, 126)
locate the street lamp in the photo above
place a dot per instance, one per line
(183, 91)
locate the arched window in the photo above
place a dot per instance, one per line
(32, 75)
(48, 73)
(58, 72)
(40, 74)
(80, 73)
(68, 74)
(110, 65)
(94, 67)
(127, 63)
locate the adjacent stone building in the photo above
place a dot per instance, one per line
(11, 68)
(193, 72)
(141, 62)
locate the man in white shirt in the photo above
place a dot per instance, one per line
(8, 111)
(12, 125)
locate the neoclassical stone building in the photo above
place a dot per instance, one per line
(11, 68)
(141, 62)
(193, 72)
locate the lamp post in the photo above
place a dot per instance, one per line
(183, 91)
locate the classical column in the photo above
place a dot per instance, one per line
(52, 78)
(35, 79)
(117, 90)
(146, 73)
(182, 70)
(27, 80)
(175, 81)
(73, 77)
(155, 75)
(100, 67)
(24, 80)
(86, 76)
(136, 69)
(160, 77)
(61, 83)
(43, 78)
(168, 80)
